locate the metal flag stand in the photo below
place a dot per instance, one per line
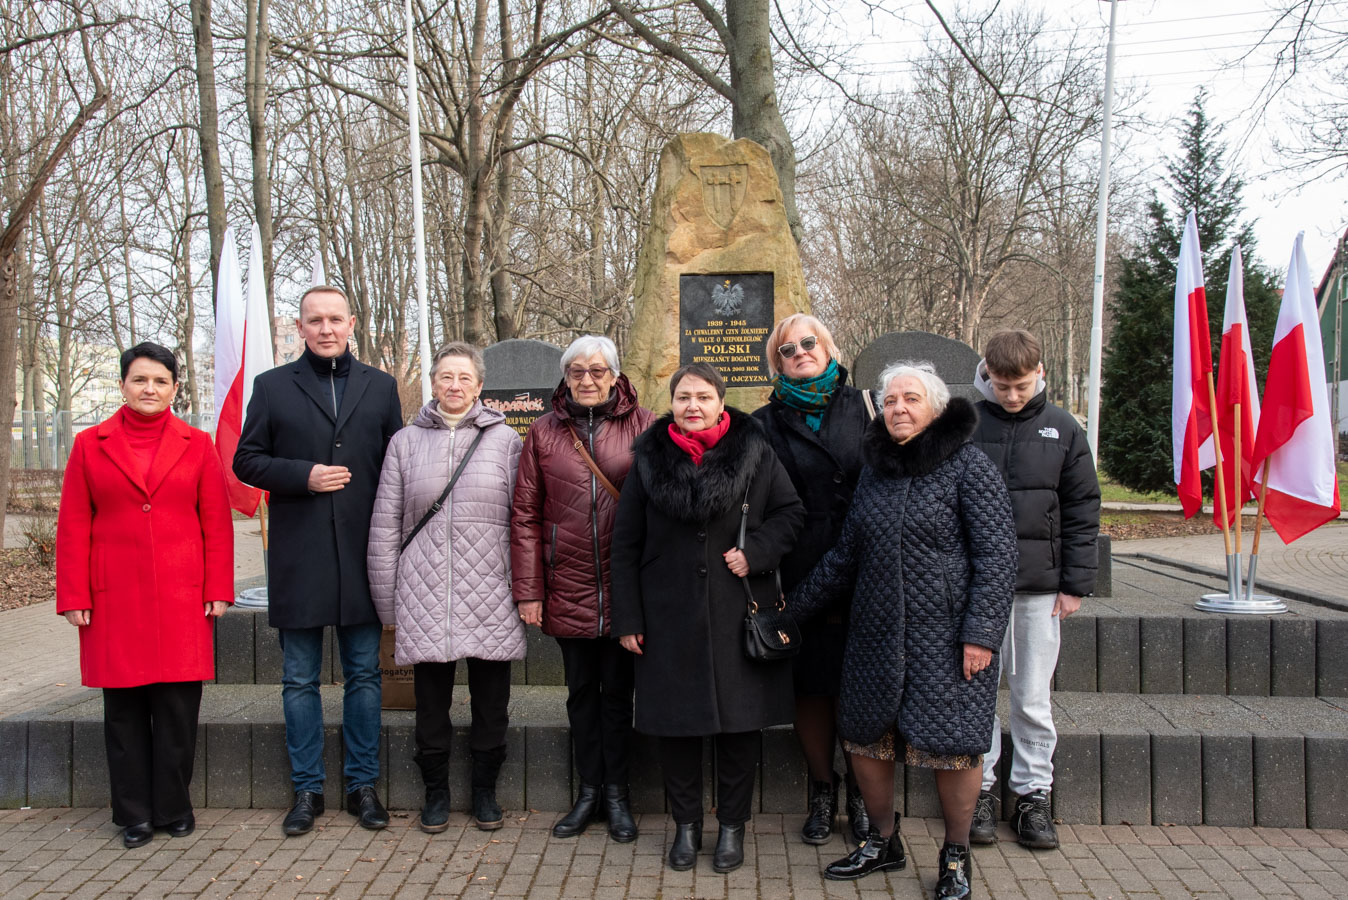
(1234, 602)
(256, 597)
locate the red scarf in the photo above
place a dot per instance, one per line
(697, 443)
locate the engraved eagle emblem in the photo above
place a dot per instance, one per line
(727, 299)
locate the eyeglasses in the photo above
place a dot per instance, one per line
(598, 373)
(806, 344)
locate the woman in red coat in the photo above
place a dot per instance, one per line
(144, 564)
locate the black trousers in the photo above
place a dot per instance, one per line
(736, 766)
(151, 737)
(599, 707)
(489, 697)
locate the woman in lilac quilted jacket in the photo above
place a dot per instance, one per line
(442, 574)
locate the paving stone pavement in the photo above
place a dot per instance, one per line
(78, 853)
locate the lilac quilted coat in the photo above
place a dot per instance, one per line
(449, 592)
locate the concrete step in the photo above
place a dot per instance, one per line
(1147, 638)
(1138, 759)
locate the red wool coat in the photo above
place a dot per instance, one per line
(144, 554)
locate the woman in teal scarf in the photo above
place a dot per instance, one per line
(815, 421)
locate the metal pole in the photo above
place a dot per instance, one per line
(418, 228)
(1101, 219)
(1338, 352)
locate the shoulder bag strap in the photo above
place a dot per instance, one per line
(589, 461)
(870, 404)
(440, 502)
(777, 573)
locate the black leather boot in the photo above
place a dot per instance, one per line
(823, 812)
(956, 872)
(729, 854)
(435, 775)
(587, 809)
(487, 813)
(687, 841)
(857, 821)
(875, 854)
(621, 826)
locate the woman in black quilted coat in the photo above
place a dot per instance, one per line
(928, 554)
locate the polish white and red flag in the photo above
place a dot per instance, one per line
(1296, 435)
(243, 350)
(1191, 412)
(1236, 389)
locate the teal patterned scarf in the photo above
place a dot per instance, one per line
(809, 396)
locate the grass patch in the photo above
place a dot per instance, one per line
(1113, 492)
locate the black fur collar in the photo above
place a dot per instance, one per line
(923, 454)
(692, 493)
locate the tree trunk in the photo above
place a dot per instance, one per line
(756, 113)
(257, 46)
(208, 133)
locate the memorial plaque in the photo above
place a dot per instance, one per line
(725, 320)
(521, 376)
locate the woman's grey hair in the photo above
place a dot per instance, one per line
(465, 350)
(938, 395)
(588, 345)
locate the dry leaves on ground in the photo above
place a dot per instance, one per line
(23, 580)
(1130, 526)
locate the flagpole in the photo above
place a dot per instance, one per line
(418, 227)
(1101, 220)
(1239, 493)
(1232, 580)
(1258, 533)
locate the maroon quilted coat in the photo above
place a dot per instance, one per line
(563, 518)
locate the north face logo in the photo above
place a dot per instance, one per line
(1049, 432)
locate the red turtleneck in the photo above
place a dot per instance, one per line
(144, 434)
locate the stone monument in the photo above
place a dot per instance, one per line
(954, 360)
(521, 376)
(718, 268)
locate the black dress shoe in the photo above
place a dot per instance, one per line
(729, 854)
(823, 806)
(956, 870)
(875, 854)
(363, 803)
(183, 827)
(300, 819)
(138, 835)
(621, 826)
(587, 809)
(687, 841)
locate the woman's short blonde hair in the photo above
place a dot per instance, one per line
(938, 395)
(778, 337)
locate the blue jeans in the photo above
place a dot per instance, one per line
(302, 649)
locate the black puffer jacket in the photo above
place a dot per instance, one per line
(823, 467)
(1043, 456)
(928, 552)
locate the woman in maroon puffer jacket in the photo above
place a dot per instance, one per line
(559, 552)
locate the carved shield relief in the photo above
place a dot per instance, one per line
(723, 190)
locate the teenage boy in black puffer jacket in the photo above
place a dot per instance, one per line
(1042, 454)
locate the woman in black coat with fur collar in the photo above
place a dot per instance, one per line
(678, 603)
(928, 555)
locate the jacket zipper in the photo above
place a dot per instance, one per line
(332, 385)
(449, 560)
(594, 531)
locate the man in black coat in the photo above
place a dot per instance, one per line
(314, 436)
(1043, 456)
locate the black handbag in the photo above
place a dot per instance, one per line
(769, 634)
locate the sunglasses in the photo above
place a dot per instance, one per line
(806, 344)
(578, 374)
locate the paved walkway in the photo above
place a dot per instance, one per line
(78, 853)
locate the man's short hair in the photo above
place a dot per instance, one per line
(324, 289)
(1012, 352)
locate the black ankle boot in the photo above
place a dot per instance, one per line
(956, 872)
(435, 775)
(823, 812)
(857, 821)
(729, 854)
(621, 826)
(486, 766)
(687, 841)
(875, 854)
(587, 809)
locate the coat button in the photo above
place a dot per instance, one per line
(837, 477)
(339, 443)
(145, 508)
(702, 571)
(702, 535)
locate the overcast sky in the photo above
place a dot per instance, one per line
(1166, 50)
